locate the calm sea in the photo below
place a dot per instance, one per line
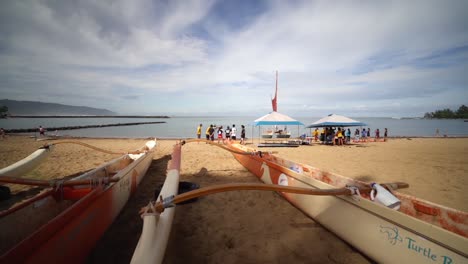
(185, 127)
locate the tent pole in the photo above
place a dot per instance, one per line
(252, 134)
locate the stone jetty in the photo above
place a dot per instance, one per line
(26, 130)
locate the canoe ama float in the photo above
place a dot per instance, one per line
(27, 164)
(157, 227)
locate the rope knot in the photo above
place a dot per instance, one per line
(355, 194)
(168, 201)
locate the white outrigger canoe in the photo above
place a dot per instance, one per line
(419, 232)
(27, 164)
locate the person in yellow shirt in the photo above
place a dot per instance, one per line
(316, 134)
(339, 135)
(199, 131)
(207, 133)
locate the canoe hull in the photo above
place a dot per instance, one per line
(384, 235)
(71, 235)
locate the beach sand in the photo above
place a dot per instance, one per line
(255, 226)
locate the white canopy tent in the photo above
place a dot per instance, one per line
(333, 120)
(276, 119)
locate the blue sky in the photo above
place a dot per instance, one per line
(355, 58)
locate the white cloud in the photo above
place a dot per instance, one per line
(346, 55)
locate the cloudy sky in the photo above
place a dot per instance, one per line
(356, 58)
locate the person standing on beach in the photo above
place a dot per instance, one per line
(41, 131)
(348, 136)
(339, 136)
(364, 135)
(316, 133)
(212, 131)
(233, 132)
(377, 134)
(242, 135)
(228, 133)
(220, 134)
(207, 132)
(2, 133)
(385, 134)
(356, 135)
(325, 135)
(199, 131)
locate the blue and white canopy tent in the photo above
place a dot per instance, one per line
(333, 120)
(276, 119)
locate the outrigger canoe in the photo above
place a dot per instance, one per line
(62, 224)
(410, 230)
(418, 232)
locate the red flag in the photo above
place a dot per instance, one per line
(274, 100)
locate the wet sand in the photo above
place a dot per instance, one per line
(254, 226)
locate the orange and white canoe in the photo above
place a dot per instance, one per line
(419, 232)
(62, 224)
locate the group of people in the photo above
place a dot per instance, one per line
(339, 137)
(342, 136)
(365, 135)
(222, 134)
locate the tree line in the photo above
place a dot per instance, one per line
(462, 112)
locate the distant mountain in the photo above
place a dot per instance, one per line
(40, 108)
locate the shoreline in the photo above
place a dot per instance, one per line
(248, 140)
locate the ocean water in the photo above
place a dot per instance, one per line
(186, 127)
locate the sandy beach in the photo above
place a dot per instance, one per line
(254, 226)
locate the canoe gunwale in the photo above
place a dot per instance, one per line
(16, 254)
